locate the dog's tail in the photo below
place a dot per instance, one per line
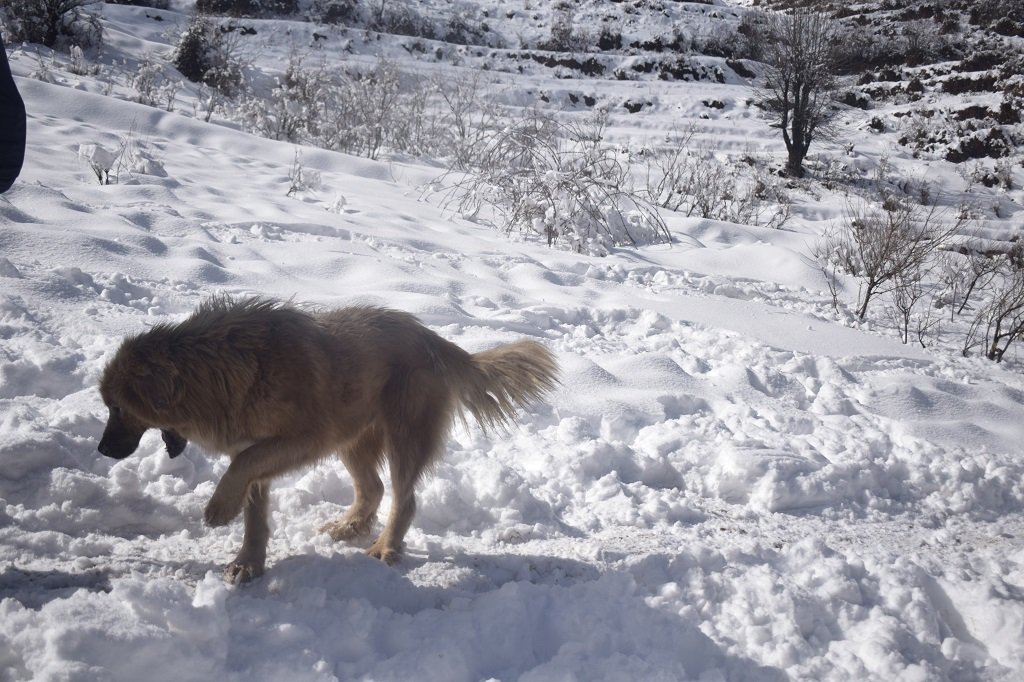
(501, 380)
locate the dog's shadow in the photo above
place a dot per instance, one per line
(524, 592)
(34, 588)
(420, 581)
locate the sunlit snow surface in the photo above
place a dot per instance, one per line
(731, 483)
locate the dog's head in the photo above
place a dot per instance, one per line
(139, 388)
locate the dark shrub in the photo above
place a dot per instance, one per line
(247, 8)
(50, 22)
(344, 12)
(155, 4)
(204, 56)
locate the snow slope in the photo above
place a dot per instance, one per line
(730, 483)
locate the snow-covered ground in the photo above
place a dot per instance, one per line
(731, 483)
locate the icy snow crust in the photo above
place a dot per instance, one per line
(728, 485)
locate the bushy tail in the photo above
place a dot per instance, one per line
(503, 379)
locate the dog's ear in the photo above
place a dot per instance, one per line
(174, 442)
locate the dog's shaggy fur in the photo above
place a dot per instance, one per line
(277, 388)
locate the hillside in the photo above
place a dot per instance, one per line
(737, 478)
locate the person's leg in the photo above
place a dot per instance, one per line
(12, 125)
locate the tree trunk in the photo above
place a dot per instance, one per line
(795, 163)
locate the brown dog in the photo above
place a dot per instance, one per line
(277, 388)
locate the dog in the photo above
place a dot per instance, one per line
(278, 388)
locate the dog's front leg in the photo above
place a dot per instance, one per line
(252, 557)
(261, 461)
(228, 498)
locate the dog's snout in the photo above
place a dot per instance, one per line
(121, 435)
(108, 449)
(118, 446)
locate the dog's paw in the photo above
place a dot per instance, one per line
(223, 506)
(388, 555)
(241, 572)
(346, 529)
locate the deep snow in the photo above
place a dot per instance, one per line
(732, 483)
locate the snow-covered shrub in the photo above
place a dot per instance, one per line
(128, 158)
(922, 44)
(538, 177)
(750, 36)
(80, 65)
(966, 273)
(992, 143)
(44, 68)
(465, 27)
(375, 98)
(207, 102)
(152, 86)
(302, 179)
(50, 22)
(300, 103)
(191, 57)
(380, 108)
(145, 80)
(100, 160)
(352, 111)
(721, 40)
(360, 112)
(1002, 15)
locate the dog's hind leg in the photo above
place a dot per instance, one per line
(417, 429)
(252, 556)
(362, 461)
(388, 546)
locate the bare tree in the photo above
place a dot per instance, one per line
(907, 311)
(467, 114)
(1000, 321)
(801, 59)
(968, 270)
(884, 247)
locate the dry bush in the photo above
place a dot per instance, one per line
(885, 246)
(999, 320)
(539, 177)
(697, 183)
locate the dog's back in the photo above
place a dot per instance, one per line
(407, 362)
